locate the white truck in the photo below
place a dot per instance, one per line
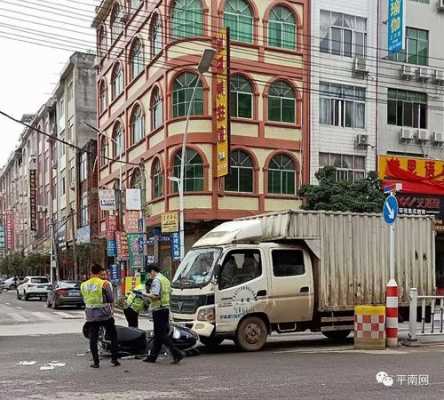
(295, 270)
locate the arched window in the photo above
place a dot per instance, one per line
(101, 41)
(155, 36)
(116, 81)
(136, 59)
(238, 17)
(282, 28)
(103, 151)
(118, 141)
(156, 107)
(241, 173)
(157, 179)
(102, 96)
(136, 179)
(193, 174)
(116, 22)
(187, 19)
(281, 103)
(241, 97)
(137, 125)
(281, 175)
(182, 92)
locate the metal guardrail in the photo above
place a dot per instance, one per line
(436, 304)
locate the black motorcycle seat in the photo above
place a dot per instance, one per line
(127, 334)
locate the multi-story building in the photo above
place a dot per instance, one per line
(343, 86)
(410, 119)
(148, 54)
(42, 181)
(75, 97)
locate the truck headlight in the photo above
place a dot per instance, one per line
(206, 314)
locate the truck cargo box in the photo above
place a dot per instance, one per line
(353, 252)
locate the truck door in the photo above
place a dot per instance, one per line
(292, 291)
(241, 285)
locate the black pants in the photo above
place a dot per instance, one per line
(93, 329)
(161, 319)
(132, 317)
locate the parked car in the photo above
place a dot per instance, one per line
(33, 286)
(65, 293)
(9, 284)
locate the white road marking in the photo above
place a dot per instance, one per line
(43, 316)
(63, 314)
(17, 317)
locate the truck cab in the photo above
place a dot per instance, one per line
(243, 291)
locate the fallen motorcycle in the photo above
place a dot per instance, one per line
(137, 342)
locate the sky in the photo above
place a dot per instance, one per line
(29, 72)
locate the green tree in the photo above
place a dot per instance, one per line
(365, 195)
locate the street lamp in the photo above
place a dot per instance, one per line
(204, 66)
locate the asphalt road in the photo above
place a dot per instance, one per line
(297, 368)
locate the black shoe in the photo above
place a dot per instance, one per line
(95, 365)
(177, 359)
(115, 363)
(149, 360)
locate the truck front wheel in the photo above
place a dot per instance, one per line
(337, 336)
(251, 334)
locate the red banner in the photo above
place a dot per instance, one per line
(33, 198)
(111, 226)
(10, 230)
(132, 221)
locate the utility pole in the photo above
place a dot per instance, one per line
(74, 247)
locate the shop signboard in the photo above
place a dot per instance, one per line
(175, 246)
(396, 25)
(169, 222)
(221, 100)
(111, 226)
(107, 199)
(135, 252)
(133, 199)
(2, 237)
(111, 248)
(33, 198)
(132, 221)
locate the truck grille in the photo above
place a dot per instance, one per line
(189, 304)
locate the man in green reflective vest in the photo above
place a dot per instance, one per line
(160, 306)
(97, 295)
(135, 304)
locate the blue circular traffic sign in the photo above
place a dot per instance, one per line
(390, 210)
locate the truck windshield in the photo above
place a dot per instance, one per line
(196, 268)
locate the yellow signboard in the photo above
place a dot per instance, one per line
(420, 167)
(221, 110)
(169, 222)
(131, 282)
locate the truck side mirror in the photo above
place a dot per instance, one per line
(217, 271)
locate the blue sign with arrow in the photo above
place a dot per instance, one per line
(390, 210)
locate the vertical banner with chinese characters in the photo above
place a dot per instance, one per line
(10, 230)
(111, 226)
(221, 108)
(33, 198)
(2, 238)
(396, 25)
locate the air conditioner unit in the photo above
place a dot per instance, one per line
(360, 65)
(424, 73)
(362, 140)
(440, 5)
(422, 135)
(407, 134)
(407, 72)
(438, 137)
(439, 74)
